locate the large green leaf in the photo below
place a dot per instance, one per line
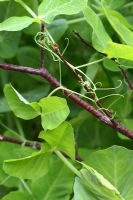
(20, 106)
(9, 48)
(56, 185)
(94, 186)
(81, 192)
(54, 111)
(111, 65)
(100, 36)
(31, 95)
(17, 195)
(31, 167)
(116, 165)
(13, 151)
(58, 28)
(16, 23)
(115, 50)
(119, 24)
(28, 56)
(61, 138)
(49, 9)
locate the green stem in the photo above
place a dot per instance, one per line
(26, 187)
(128, 5)
(67, 163)
(80, 19)
(55, 90)
(19, 127)
(26, 7)
(73, 21)
(7, 128)
(91, 63)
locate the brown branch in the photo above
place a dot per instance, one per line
(83, 40)
(126, 77)
(45, 74)
(30, 144)
(36, 146)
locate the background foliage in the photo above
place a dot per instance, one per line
(53, 179)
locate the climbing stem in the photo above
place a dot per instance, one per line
(68, 163)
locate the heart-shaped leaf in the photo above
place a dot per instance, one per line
(31, 167)
(20, 106)
(49, 9)
(116, 165)
(16, 23)
(54, 111)
(61, 138)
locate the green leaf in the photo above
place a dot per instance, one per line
(49, 9)
(16, 23)
(115, 4)
(9, 48)
(129, 123)
(54, 111)
(119, 24)
(14, 151)
(61, 138)
(115, 50)
(20, 106)
(99, 32)
(17, 195)
(127, 64)
(94, 186)
(28, 56)
(56, 185)
(81, 192)
(111, 65)
(98, 185)
(116, 165)
(31, 95)
(58, 28)
(31, 167)
(3, 105)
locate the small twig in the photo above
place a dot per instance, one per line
(36, 146)
(83, 40)
(126, 77)
(85, 105)
(42, 49)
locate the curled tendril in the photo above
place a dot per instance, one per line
(114, 88)
(110, 95)
(71, 92)
(66, 46)
(89, 80)
(43, 39)
(46, 41)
